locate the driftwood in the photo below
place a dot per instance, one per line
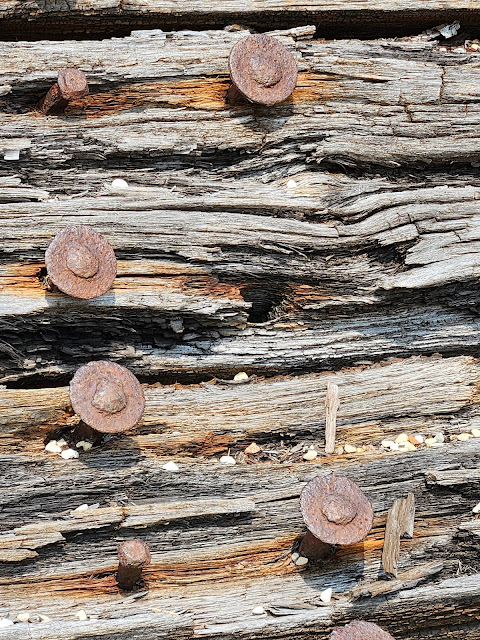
(329, 240)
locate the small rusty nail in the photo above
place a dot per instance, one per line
(360, 630)
(336, 512)
(71, 85)
(107, 397)
(81, 262)
(262, 70)
(133, 556)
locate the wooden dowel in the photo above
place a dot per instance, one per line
(332, 403)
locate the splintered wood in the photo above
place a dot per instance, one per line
(400, 521)
(332, 403)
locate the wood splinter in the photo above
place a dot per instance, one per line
(400, 522)
(71, 85)
(332, 403)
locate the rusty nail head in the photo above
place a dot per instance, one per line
(335, 510)
(133, 556)
(360, 630)
(81, 263)
(107, 397)
(263, 69)
(73, 84)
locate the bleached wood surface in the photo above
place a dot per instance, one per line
(332, 239)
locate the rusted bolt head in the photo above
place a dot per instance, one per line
(263, 69)
(360, 630)
(72, 84)
(81, 263)
(335, 510)
(107, 397)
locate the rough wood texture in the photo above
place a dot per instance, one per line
(23, 18)
(400, 523)
(330, 240)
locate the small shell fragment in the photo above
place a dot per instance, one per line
(310, 455)
(86, 446)
(119, 183)
(44, 618)
(227, 460)
(407, 446)
(5, 622)
(476, 433)
(476, 508)
(258, 611)
(439, 437)
(291, 184)
(402, 437)
(82, 507)
(69, 454)
(252, 449)
(295, 556)
(350, 448)
(240, 377)
(170, 466)
(419, 438)
(23, 617)
(81, 615)
(430, 441)
(463, 437)
(301, 561)
(53, 447)
(326, 596)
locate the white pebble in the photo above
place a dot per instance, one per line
(170, 466)
(394, 446)
(81, 615)
(350, 448)
(52, 447)
(119, 183)
(463, 437)
(62, 443)
(408, 446)
(476, 433)
(430, 441)
(258, 611)
(476, 508)
(339, 450)
(227, 460)
(44, 618)
(301, 561)
(291, 184)
(86, 446)
(23, 617)
(419, 438)
(68, 454)
(11, 154)
(387, 444)
(439, 437)
(240, 377)
(295, 556)
(310, 455)
(326, 595)
(5, 622)
(402, 437)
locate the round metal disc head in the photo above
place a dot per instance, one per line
(335, 510)
(81, 263)
(263, 69)
(107, 397)
(360, 630)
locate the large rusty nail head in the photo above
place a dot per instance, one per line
(263, 69)
(107, 396)
(81, 262)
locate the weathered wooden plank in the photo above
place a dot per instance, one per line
(377, 402)
(184, 558)
(352, 98)
(336, 17)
